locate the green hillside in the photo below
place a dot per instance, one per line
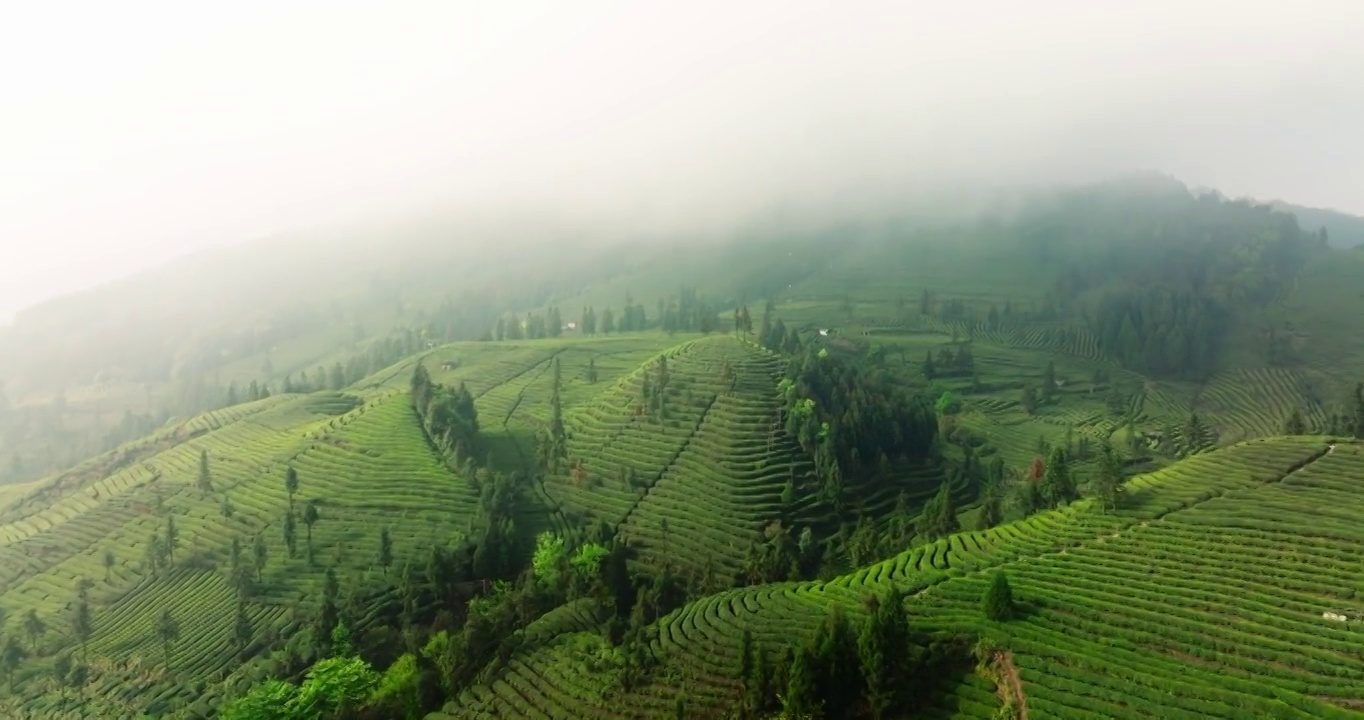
(1203, 596)
(637, 484)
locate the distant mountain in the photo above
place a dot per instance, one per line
(1342, 229)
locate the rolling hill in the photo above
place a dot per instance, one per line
(625, 505)
(1203, 597)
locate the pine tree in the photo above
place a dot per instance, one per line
(555, 323)
(82, 625)
(172, 538)
(1049, 382)
(34, 627)
(998, 602)
(167, 631)
(1295, 425)
(991, 510)
(155, 551)
(883, 648)
(291, 483)
(1108, 487)
(1029, 399)
(10, 657)
(310, 518)
(385, 550)
(608, 322)
(1359, 411)
(1058, 487)
(241, 627)
(290, 531)
(259, 555)
(205, 481)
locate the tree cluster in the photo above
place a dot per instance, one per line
(448, 415)
(847, 417)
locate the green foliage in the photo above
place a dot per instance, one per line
(270, 700)
(998, 602)
(939, 515)
(205, 480)
(448, 414)
(839, 411)
(1028, 399)
(886, 654)
(588, 559)
(1057, 486)
(1107, 484)
(948, 404)
(334, 683)
(548, 559)
(400, 686)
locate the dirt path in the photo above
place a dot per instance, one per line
(1012, 687)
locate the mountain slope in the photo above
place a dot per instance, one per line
(1242, 517)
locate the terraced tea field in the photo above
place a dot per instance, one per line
(361, 457)
(706, 475)
(1204, 595)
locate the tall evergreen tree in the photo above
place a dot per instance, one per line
(1108, 483)
(167, 632)
(608, 322)
(34, 627)
(259, 554)
(291, 483)
(241, 626)
(385, 550)
(1359, 411)
(205, 481)
(310, 518)
(1294, 424)
(1029, 399)
(172, 538)
(82, 625)
(1058, 487)
(883, 648)
(290, 531)
(998, 602)
(11, 654)
(555, 323)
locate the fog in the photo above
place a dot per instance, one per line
(134, 132)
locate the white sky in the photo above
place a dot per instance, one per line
(133, 131)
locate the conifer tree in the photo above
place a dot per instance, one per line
(167, 631)
(1295, 425)
(1108, 483)
(1359, 411)
(259, 556)
(241, 627)
(1058, 487)
(34, 627)
(998, 601)
(290, 531)
(172, 538)
(291, 483)
(385, 550)
(205, 481)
